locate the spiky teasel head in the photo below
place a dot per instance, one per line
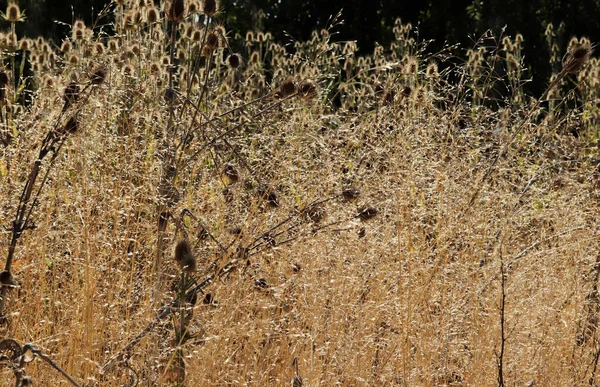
(307, 89)
(577, 57)
(175, 10)
(185, 257)
(13, 13)
(152, 15)
(287, 87)
(210, 7)
(234, 61)
(98, 75)
(212, 41)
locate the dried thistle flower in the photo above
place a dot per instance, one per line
(98, 75)
(13, 13)
(185, 257)
(175, 10)
(234, 61)
(209, 7)
(287, 87)
(577, 58)
(212, 41)
(152, 15)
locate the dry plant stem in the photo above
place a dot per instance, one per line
(165, 312)
(38, 352)
(502, 321)
(234, 128)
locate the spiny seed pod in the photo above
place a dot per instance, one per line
(212, 41)
(577, 58)
(13, 13)
(184, 256)
(24, 44)
(98, 75)
(307, 88)
(71, 95)
(367, 213)
(209, 7)
(287, 87)
(350, 194)
(193, 7)
(175, 10)
(234, 61)
(152, 15)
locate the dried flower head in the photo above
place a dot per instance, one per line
(209, 7)
(13, 13)
(175, 10)
(287, 87)
(152, 15)
(234, 61)
(212, 41)
(98, 75)
(185, 257)
(577, 58)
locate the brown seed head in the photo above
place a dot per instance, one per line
(175, 10)
(152, 15)
(98, 75)
(13, 13)
(212, 41)
(287, 87)
(234, 61)
(209, 7)
(184, 256)
(577, 58)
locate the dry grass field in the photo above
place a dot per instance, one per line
(404, 218)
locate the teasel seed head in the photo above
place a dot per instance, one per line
(13, 13)
(184, 256)
(152, 15)
(175, 10)
(577, 58)
(234, 61)
(209, 7)
(287, 87)
(212, 41)
(98, 75)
